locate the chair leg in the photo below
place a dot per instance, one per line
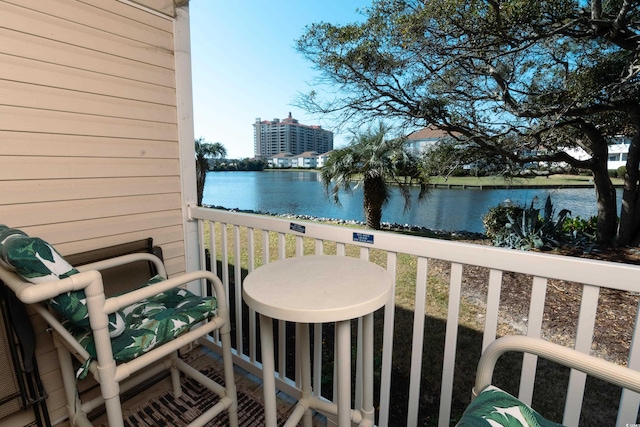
(229, 378)
(175, 379)
(74, 406)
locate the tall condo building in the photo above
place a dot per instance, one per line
(288, 136)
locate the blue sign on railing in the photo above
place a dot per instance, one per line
(363, 238)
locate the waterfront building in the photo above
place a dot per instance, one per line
(422, 140)
(273, 137)
(308, 159)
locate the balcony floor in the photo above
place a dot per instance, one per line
(154, 405)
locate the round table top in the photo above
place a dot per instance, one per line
(317, 288)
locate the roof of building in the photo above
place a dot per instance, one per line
(308, 154)
(429, 132)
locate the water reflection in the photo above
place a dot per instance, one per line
(302, 193)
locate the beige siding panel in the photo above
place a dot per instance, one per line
(173, 250)
(130, 12)
(38, 168)
(41, 121)
(40, 327)
(65, 236)
(174, 266)
(34, 144)
(47, 98)
(89, 123)
(104, 20)
(80, 210)
(166, 7)
(22, 418)
(161, 237)
(56, 401)
(46, 74)
(13, 192)
(87, 38)
(169, 238)
(48, 362)
(44, 342)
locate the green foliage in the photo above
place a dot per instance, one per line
(532, 228)
(508, 78)
(375, 162)
(622, 171)
(203, 152)
(497, 218)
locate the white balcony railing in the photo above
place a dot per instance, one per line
(239, 243)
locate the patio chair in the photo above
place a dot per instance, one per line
(493, 404)
(122, 340)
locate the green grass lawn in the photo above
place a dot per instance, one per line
(538, 181)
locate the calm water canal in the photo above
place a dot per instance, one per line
(302, 193)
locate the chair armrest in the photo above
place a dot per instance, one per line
(591, 365)
(125, 259)
(123, 300)
(30, 293)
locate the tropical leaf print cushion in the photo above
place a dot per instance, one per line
(37, 262)
(494, 407)
(153, 321)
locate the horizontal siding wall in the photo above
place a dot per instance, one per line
(89, 153)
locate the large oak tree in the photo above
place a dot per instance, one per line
(514, 80)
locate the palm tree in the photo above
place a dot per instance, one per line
(374, 162)
(204, 151)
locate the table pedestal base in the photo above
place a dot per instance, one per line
(307, 403)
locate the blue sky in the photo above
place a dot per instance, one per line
(245, 66)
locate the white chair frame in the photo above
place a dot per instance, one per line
(116, 378)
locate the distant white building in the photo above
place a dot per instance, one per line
(618, 152)
(308, 159)
(322, 159)
(280, 160)
(424, 139)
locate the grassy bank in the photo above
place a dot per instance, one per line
(538, 181)
(553, 181)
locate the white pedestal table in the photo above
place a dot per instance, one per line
(319, 289)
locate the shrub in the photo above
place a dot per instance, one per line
(526, 228)
(495, 221)
(622, 171)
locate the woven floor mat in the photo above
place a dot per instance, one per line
(165, 410)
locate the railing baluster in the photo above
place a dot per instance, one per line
(282, 246)
(630, 400)
(317, 359)
(225, 259)
(418, 341)
(299, 246)
(237, 276)
(265, 247)
(213, 247)
(534, 328)
(584, 339)
(253, 331)
(492, 308)
(451, 338)
(387, 345)
(213, 253)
